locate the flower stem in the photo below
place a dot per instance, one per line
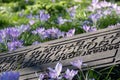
(83, 74)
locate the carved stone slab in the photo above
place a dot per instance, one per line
(97, 49)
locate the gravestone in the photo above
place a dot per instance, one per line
(96, 49)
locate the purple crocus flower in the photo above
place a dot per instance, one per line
(24, 28)
(107, 12)
(61, 21)
(118, 24)
(95, 17)
(54, 33)
(35, 43)
(30, 16)
(41, 32)
(72, 11)
(95, 1)
(31, 22)
(77, 63)
(94, 5)
(14, 45)
(86, 28)
(99, 12)
(3, 36)
(92, 9)
(3, 33)
(118, 10)
(9, 76)
(89, 28)
(13, 32)
(44, 16)
(100, 5)
(70, 33)
(104, 4)
(114, 6)
(49, 33)
(70, 74)
(55, 73)
(41, 76)
(92, 29)
(34, 32)
(112, 26)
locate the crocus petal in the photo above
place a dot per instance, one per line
(58, 68)
(70, 33)
(95, 1)
(77, 63)
(70, 74)
(52, 73)
(31, 22)
(41, 76)
(44, 16)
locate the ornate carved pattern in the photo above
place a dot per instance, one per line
(96, 49)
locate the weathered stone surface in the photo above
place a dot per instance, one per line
(97, 49)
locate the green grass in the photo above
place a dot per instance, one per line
(10, 10)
